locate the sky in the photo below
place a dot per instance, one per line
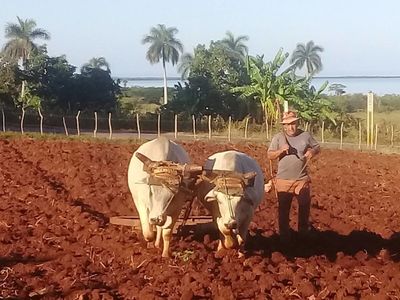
(359, 37)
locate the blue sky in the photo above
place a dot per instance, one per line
(358, 37)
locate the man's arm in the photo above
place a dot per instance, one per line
(313, 149)
(275, 154)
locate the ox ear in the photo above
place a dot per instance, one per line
(248, 178)
(144, 159)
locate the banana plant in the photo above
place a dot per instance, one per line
(267, 85)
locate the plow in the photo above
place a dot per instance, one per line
(196, 221)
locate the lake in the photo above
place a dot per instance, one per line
(378, 85)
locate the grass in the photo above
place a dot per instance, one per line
(384, 118)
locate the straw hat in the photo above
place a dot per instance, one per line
(289, 117)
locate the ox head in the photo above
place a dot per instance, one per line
(170, 185)
(228, 189)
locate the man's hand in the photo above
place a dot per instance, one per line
(275, 154)
(309, 154)
(285, 149)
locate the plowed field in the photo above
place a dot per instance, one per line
(56, 197)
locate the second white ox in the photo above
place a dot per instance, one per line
(159, 201)
(231, 190)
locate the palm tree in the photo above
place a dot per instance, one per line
(21, 37)
(185, 65)
(97, 63)
(20, 43)
(163, 46)
(307, 55)
(236, 46)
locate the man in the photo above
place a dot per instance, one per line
(293, 147)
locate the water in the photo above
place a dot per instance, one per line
(378, 85)
(151, 82)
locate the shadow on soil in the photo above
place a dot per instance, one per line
(327, 243)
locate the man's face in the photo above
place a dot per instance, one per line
(290, 128)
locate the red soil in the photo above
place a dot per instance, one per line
(56, 241)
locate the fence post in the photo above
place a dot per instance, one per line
(229, 128)
(322, 132)
(4, 120)
(158, 125)
(392, 137)
(77, 123)
(359, 135)
(194, 126)
(209, 127)
(65, 126)
(109, 125)
(95, 124)
(247, 125)
(22, 120)
(41, 121)
(176, 126)
(341, 136)
(376, 136)
(138, 126)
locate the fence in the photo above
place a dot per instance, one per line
(206, 127)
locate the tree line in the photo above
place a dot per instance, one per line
(220, 79)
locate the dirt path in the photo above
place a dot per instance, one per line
(56, 242)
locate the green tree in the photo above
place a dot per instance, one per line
(164, 46)
(213, 73)
(236, 46)
(51, 79)
(308, 56)
(94, 89)
(267, 85)
(10, 81)
(20, 38)
(312, 105)
(20, 43)
(97, 63)
(337, 89)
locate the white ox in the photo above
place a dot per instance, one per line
(231, 196)
(158, 205)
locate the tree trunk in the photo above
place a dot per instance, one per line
(165, 84)
(266, 122)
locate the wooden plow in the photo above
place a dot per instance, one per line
(195, 221)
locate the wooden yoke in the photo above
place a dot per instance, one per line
(174, 176)
(229, 182)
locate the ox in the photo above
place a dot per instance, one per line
(160, 179)
(232, 187)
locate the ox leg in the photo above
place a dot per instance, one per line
(166, 234)
(157, 243)
(147, 229)
(243, 226)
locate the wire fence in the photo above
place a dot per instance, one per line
(385, 137)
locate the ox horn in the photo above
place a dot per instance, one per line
(144, 159)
